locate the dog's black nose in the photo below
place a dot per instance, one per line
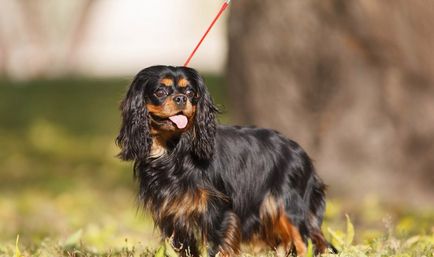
(180, 100)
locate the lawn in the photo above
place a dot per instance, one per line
(63, 192)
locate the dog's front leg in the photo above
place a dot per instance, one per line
(227, 240)
(185, 244)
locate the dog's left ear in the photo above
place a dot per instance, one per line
(205, 122)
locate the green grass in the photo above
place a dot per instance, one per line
(65, 194)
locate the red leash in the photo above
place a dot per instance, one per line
(222, 9)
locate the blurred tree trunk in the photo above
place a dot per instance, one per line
(351, 81)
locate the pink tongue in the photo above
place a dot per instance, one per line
(180, 121)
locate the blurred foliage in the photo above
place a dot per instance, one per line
(63, 192)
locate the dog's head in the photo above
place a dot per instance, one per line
(164, 102)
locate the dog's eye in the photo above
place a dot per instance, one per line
(189, 93)
(160, 93)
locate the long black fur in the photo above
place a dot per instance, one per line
(237, 167)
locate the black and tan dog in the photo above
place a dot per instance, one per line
(219, 185)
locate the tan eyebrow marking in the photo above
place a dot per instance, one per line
(183, 82)
(167, 82)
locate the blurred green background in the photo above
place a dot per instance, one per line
(58, 170)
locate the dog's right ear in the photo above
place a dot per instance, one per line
(134, 137)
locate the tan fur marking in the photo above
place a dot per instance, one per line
(297, 240)
(284, 229)
(269, 214)
(277, 230)
(167, 109)
(168, 82)
(183, 82)
(190, 203)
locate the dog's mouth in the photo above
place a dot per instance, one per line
(179, 120)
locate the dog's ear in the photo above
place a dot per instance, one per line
(134, 137)
(205, 123)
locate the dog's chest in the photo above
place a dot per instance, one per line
(187, 206)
